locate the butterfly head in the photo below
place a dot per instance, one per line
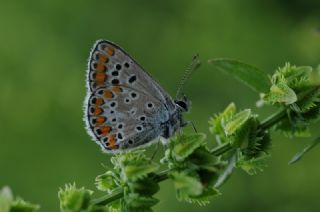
(183, 104)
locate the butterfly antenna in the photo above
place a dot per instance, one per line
(191, 68)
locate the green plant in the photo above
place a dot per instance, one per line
(243, 141)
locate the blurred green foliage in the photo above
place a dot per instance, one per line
(44, 51)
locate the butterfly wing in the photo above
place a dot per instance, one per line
(124, 106)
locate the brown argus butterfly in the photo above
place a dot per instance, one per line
(125, 108)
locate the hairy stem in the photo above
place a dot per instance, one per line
(106, 199)
(273, 119)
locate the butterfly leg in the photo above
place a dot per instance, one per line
(192, 124)
(155, 152)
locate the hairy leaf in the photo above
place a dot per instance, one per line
(299, 155)
(186, 186)
(252, 165)
(249, 75)
(74, 199)
(106, 181)
(136, 202)
(216, 124)
(186, 144)
(20, 205)
(281, 93)
(237, 121)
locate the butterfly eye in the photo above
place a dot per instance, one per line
(182, 104)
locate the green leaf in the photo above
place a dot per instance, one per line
(281, 93)
(252, 165)
(299, 155)
(204, 198)
(146, 186)
(8, 204)
(74, 199)
(186, 185)
(138, 169)
(133, 165)
(106, 182)
(6, 198)
(202, 157)
(186, 144)
(237, 121)
(310, 100)
(140, 202)
(216, 123)
(249, 75)
(19, 205)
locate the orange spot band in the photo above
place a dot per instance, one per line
(103, 58)
(116, 89)
(105, 130)
(98, 111)
(101, 67)
(112, 142)
(100, 78)
(100, 120)
(110, 50)
(99, 102)
(108, 94)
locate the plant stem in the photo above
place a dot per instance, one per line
(116, 194)
(273, 119)
(221, 149)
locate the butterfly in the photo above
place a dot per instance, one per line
(125, 108)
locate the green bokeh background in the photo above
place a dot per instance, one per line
(44, 47)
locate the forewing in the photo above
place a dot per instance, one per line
(111, 65)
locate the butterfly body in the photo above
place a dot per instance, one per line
(125, 108)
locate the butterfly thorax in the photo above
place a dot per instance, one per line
(175, 120)
(173, 124)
